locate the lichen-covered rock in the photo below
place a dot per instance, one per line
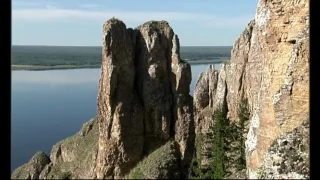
(163, 163)
(143, 93)
(288, 156)
(33, 168)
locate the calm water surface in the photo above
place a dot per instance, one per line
(48, 106)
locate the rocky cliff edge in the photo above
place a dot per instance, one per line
(270, 68)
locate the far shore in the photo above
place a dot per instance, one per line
(56, 67)
(41, 68)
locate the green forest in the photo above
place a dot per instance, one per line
(65, 57)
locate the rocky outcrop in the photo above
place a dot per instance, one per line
(74, 157)
(143, 103)
(269, 67)
(205, 89)
(143, 97)
(33, 168)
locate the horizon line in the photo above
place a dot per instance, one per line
(101, 45)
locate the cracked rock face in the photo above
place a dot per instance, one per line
(269, 67)
(282, 102)
(143, 98)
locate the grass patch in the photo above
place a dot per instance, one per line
(163, 163)
(80, 150)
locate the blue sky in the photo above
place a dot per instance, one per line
(79, 22)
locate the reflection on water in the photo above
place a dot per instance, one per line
(48, 106)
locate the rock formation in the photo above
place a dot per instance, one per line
(143, 102)
(147, 120)
(33, 168)
(270, 68)
(143, 96)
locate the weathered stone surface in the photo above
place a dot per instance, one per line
(205, 89)
(270, 68)
(143, 93)
(120, 114)
(33, 168)
(183, 118)
(143, 102)
(288, 155)
(282, 103)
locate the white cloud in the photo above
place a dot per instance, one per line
(33, 4)
(89, 5)
(56, 14)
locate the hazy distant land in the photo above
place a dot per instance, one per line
(74, 57)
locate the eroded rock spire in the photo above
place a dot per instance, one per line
(143, 98)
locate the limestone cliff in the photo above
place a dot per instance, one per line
(143, 97)
(270, 68)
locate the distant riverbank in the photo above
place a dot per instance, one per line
(34, 58)
(41, 68)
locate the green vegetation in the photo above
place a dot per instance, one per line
(243, 114)
(220, 133)
(66, 175)
(39, 68)
(81, 149)
(70, 57)
(196, 171)
(217, 156)
(195, 53)
(163, 163)
(55, 55)
(228, 145)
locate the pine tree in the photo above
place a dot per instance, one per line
(219, 143)
(243, 114)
